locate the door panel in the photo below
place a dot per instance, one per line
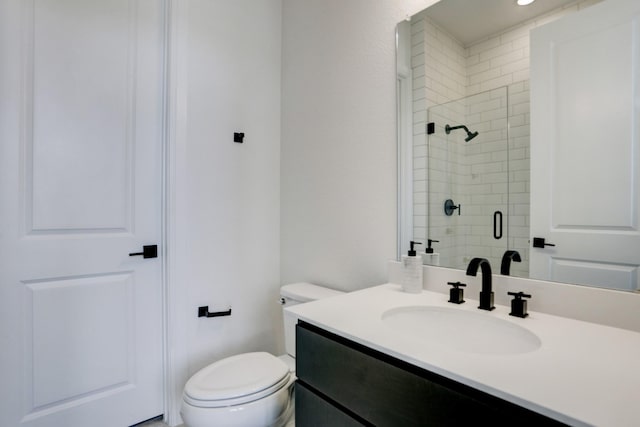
(594, 273)
(80, 320)
(584, 147)
(81, 104)
(593, 95)
(79, 325)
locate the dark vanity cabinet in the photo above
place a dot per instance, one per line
(343, 383)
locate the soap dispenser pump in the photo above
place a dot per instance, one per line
(412, 270)
(429, 249)
(429, 257)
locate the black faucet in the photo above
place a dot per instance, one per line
(506, 261)
(486, 295)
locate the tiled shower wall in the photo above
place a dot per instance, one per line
(438, 64)
(447, 176)
(444, 70)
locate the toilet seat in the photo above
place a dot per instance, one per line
(237, 380)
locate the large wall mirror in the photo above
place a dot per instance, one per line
(518, 131)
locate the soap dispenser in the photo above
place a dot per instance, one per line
(429, 257)
(412, 271)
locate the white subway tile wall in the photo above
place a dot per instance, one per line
(489, 80)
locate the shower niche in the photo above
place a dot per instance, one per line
(474, 166)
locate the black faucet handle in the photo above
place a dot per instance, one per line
(519, 305)
(456, 294)
(519, 295)
(456, 284)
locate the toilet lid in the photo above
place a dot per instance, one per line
(303, 292)
(237, 378)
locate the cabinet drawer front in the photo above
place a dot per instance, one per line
(314, 411)
(385, 391)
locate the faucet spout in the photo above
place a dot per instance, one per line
(486, 295)
(509, 256)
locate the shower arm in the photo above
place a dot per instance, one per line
(470, 135)
(448, 128)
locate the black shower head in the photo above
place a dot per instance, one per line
(470, 135)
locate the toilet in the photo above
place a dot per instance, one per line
(250, 389)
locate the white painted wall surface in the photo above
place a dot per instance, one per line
(224, 210)
(338, 166)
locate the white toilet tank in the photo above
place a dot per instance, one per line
(297, 293)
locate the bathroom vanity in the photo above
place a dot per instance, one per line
(383, 357)
(341, 382)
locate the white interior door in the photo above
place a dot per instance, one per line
(585, 94)
(81, 86)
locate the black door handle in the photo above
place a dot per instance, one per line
(538, 242)
(150, 251)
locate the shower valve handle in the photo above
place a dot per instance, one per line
(450, 206)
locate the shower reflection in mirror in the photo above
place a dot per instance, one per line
(467, 158)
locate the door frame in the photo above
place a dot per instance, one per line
(175, 360)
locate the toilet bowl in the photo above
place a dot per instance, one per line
(250, 389)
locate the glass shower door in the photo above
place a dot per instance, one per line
(468, 179)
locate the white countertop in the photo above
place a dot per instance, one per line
(583, 373)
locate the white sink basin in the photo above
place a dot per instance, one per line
(467, 331)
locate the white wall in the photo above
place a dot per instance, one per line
(338, 170)
(224, 196)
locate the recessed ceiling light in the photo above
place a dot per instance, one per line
(524, 2)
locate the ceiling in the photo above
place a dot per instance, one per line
(472, 20)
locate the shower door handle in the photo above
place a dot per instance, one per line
(497, 230)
